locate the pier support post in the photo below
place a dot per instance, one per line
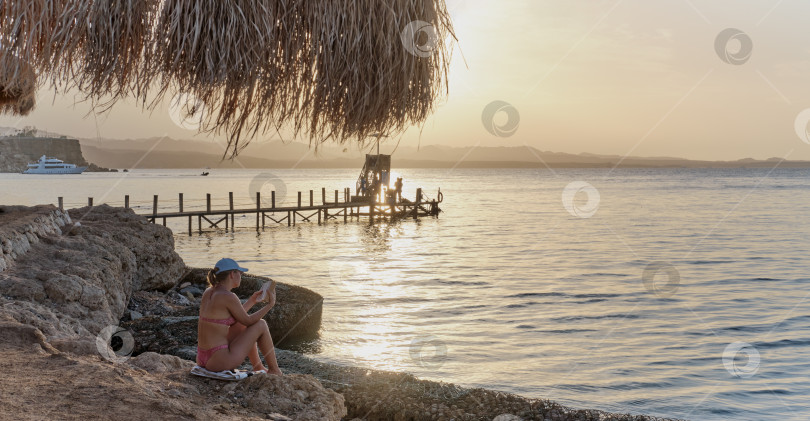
(418, 200)
(230, 206)
(259, 214)
(89, 201)
(311, 202)
(273, 199)
(299, 199)
(189, 225)
(126, 202)
(288, 219)
(336, 196)
(61, 204)
(154, 205)
(208, 203)
(323, 195)
(181, 202)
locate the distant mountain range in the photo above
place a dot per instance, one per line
(172, 153)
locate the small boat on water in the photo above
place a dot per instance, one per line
(47, 165)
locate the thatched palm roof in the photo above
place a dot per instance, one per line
(329, 69)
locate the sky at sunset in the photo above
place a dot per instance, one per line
(619, 77)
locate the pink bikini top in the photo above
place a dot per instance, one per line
(228, 322)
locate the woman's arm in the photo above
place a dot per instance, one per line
(239, 313)
(254, 298)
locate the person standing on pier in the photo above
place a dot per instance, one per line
(226, 333)
(398, 187)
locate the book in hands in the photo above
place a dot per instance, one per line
(266, 289)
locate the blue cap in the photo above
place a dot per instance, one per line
(227, 264)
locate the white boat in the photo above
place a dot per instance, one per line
(52, 166)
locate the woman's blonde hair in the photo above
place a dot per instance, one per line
(215, 278)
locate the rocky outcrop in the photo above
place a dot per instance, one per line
(80, 282)
(17, 152)
(68, 279)
(22, 227)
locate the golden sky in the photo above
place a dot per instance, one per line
(610, 77)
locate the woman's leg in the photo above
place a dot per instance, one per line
(233, 332)
(240, 347)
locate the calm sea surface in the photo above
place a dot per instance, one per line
(512, 289)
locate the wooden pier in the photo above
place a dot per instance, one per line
(346, 207)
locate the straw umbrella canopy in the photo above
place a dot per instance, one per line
(330, 69)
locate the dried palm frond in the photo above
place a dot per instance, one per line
(43, 33)
(338, 69)
(116, 34)
(17, 89)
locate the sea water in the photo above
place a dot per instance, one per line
(671, 292)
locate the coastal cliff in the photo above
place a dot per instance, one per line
(17, 151)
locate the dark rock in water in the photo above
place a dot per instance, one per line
(296, 315)
(169, 324)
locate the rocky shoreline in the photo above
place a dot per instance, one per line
(66, 278)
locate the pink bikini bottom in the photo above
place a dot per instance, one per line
(203, 355)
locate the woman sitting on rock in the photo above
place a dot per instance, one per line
(226, 334)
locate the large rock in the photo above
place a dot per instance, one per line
(167, 323)
(76, 279)
(296, 315)
(21, 227)
(159, 267)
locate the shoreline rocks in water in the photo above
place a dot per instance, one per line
(69, 275)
